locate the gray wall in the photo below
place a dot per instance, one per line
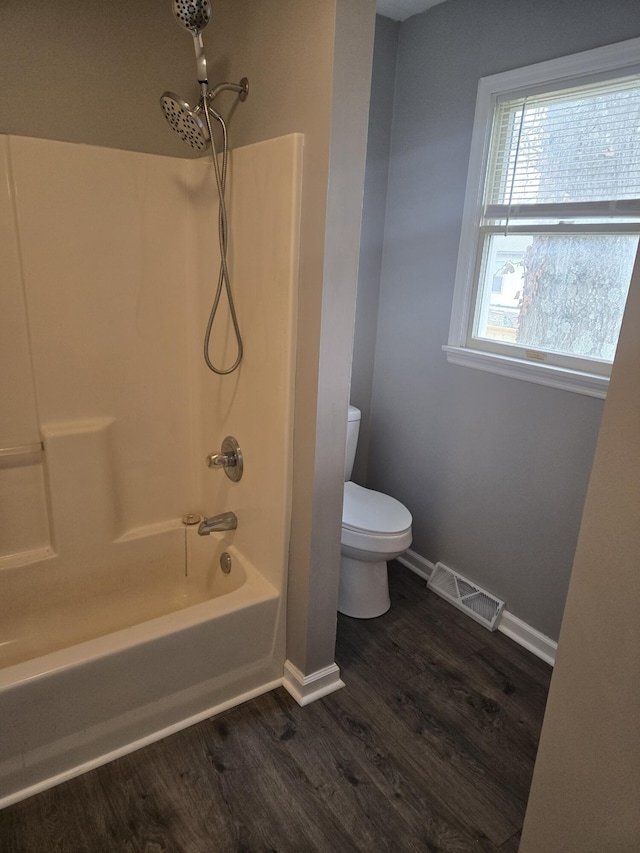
(372, 235)
(93, 72)
(322, 389)
(494, 470)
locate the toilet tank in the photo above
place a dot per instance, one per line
(353, 428)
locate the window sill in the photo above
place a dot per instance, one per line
(589, 384)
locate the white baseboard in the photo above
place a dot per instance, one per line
(525, 635)
(417, 564)
(308, 688)
(537, 643)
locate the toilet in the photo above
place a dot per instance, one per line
(375, 528)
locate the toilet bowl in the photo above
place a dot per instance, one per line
(375, 528)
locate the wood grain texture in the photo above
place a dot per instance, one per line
(429, 748)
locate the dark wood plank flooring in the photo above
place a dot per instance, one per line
(429, 748)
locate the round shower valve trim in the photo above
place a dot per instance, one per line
(229, 458)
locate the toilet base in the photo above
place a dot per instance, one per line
(364, 588)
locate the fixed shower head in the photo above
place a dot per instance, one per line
(193, 15)
(185, 121)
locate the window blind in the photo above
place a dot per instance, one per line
(578, 148)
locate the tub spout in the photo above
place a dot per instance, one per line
(224, 521)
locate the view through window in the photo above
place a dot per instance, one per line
(552, 217)
(560, 165)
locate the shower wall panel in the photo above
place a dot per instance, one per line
(18, 421)
(23, 516)
(111, 266)
(102, 233)
(255, 404)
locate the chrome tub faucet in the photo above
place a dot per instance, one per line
(224, 521)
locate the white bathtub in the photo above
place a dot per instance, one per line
(135, 666)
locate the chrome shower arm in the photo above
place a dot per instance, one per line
(242, 88)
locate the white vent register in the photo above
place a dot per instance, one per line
(476, 602)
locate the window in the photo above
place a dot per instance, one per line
(552, 220)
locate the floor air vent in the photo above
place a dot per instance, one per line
(466, 596)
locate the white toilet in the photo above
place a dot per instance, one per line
(375, 528)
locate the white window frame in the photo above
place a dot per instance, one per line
(614, 60)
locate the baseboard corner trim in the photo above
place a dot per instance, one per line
(308, 688)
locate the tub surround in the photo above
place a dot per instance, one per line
(112, 266)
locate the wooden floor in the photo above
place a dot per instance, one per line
(430, 747)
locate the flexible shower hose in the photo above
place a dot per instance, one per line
(223, 277)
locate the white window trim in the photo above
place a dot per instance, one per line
(612, 58)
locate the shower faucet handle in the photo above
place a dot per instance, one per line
(221, 460)
(229, 458)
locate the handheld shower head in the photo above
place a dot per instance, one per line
(193, 15)
(185, 121)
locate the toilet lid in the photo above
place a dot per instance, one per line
(373, 512)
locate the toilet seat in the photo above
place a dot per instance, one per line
(366, 511)
(374, 525)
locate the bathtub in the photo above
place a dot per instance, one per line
(120, 670)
